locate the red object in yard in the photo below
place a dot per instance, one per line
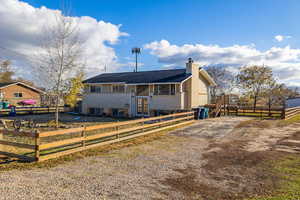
(29, 102)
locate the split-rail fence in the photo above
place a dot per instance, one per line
(53, 144)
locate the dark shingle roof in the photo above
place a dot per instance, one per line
(6, 84)
(158, 76)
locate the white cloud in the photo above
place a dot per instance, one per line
(21, 30)
(280, 38)
(285, 62)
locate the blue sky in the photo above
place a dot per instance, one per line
(224, 23)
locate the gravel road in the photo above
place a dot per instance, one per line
(136, 172)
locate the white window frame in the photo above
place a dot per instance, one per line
(169, 93)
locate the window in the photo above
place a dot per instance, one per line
(118, 89)
(18, 94)
(172, 89)
(95, 89)
(106, 88)
(95, 111)
(164, 89)
(142, 90)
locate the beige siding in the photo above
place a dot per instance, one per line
(186, 87)
(198, 88)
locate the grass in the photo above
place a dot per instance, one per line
(289, 172)
(292, 120)
(98, 151)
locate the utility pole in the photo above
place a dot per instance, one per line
(136, 51)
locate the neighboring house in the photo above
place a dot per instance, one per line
(292, 102)
(16, 92)
(147, 93)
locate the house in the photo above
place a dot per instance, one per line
(292, 102)
(18, 93)
(147, 93)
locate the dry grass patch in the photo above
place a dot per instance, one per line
(255, 124)
(290, 121)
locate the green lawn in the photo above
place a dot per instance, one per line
(288, 170)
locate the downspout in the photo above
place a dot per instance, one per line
(181, 95)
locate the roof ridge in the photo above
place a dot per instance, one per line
(144, 71)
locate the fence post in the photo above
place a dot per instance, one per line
(1, 138)
(283, 113)
(37, 145)
(117, 131)
(83, 135)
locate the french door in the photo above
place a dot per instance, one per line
(142, 106)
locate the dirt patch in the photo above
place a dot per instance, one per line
(239, 173)
(186, 183)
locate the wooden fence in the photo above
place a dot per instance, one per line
(33, 110)
(291, 112)
(53, 144)
(261, 112)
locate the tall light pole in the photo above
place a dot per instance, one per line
(136, 51)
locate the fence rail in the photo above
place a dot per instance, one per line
(53, 144)
(291, 112)
(34, 110)
(262, 112)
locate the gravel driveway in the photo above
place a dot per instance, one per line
(136, 172)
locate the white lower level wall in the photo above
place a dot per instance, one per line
(105, 101)
(166, 102)
(127, 101)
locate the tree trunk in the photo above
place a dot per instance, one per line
(269, 107)
(254, 104)
(1, 138)
(56, 111)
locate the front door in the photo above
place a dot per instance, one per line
(142, 106)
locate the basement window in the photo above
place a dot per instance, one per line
(18, 94)
(95, 111)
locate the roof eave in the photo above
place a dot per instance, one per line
(208, 77)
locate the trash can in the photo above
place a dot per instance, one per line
(196, 113)
(13, 112)
(5, 105)
(206, 111)
(202, 113)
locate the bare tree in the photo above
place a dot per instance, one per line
(60, 57)
(223, 78)
(254, 80)
(6, 73)
(274, 94)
